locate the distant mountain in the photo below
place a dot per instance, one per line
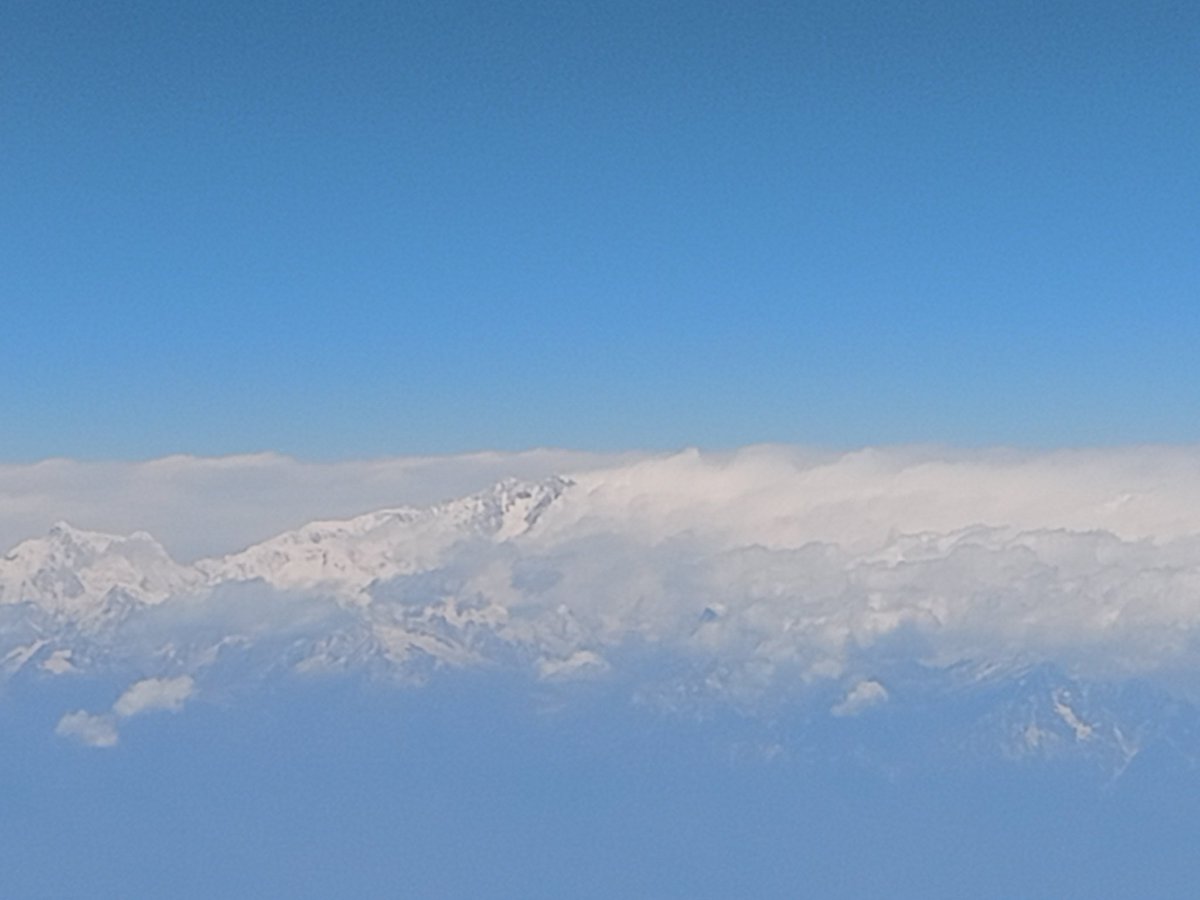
(74, 573)
(345, 557)
(76, 595)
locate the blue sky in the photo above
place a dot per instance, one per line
(394, 228)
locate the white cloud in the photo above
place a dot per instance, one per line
(154, 694)
(861, 697)
(783, 497)
(145, 696)
(94, 731)
(773, 495)
(58, 663)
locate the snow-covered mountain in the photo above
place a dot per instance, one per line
(80, 595)
(75, 573)
(345, 557)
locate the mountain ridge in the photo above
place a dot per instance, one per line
(69, 569)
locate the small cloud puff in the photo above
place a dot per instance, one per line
(147, 695)
(153, 694)
(862, 696)
(94, 731)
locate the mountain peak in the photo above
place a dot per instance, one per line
(72, 570)
(507, 509)
(64, 533)
(346, 556)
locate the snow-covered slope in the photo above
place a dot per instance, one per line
(75, 573)
(344, 557)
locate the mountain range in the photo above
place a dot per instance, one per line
(529, 577)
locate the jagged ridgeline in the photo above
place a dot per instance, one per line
(88, 596)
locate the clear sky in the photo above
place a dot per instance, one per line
(374, 228)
